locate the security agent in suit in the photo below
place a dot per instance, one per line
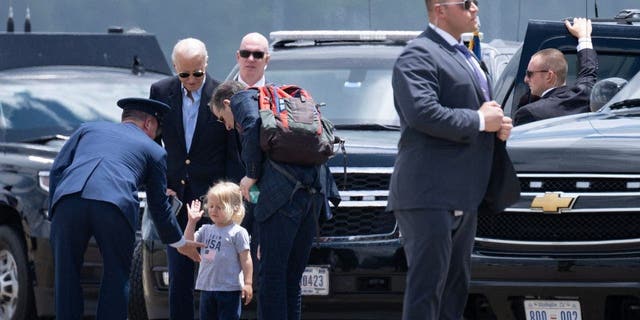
(290, 201)
(546, 77)
(199, 152)
(93, 188)
(252, 58)
(449, 129)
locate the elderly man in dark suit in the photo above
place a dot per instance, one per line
(449, 127)
(199, 151)
(93, 193)
(547, 78)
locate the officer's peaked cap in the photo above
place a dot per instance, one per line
(153, 107)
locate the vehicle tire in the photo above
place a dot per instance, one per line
(137, 306)
(16, 294)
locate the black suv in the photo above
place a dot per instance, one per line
(524, 259)
(357, 264)
(51, 84)
(570, 247)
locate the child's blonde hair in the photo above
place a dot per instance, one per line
(230, 197)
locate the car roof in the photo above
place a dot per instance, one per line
(122, 50)
(298, 38)
(342, 51)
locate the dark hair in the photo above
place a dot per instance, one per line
(224, 91)
(136, 115)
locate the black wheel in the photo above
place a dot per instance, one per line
(15, 287)
(137, 306)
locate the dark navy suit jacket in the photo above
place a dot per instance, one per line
(213, 154)
(564, 100)
(108, 162)
(444, 161)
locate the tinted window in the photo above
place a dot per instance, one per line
(609, 65)
(37, 103)
(356, 91)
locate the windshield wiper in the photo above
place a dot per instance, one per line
(629, 103)
(368, 126)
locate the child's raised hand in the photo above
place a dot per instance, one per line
(194, 210)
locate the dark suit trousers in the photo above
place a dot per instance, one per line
(438, 247)
(74, 221)
(181, 271)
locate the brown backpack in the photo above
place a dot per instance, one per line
(293, 130)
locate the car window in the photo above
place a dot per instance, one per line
(40, 103)
(610, 64)
(355, 91)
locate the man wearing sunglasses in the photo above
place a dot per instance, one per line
(200, 151)
(252, 58)
(450, 131)
(546, 77)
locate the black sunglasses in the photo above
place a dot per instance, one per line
(196, 74)
(530, 73)
(466, 3)
(256, 54)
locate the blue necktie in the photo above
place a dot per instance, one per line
(484, 85)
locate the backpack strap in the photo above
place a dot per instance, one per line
(277, 104)
(298, 185)
(264, 98)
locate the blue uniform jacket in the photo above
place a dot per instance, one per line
(108, 162)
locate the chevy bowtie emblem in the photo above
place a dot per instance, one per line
(553, 202)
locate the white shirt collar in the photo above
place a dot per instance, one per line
(547, 91)
(445, 35)
(260, 82)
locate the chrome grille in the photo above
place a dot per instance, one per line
(362, 212)
(358, 221)
(587, 183)
(362, 181)
(519, 226)
(606, 210)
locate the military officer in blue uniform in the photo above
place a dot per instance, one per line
(93, 193)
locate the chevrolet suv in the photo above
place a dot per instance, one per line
(582, 263)
(357, 266)
(570, 247)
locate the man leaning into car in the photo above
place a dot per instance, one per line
(546, 77)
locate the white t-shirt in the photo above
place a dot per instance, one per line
(220, 268)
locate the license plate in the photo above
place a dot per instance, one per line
(315, 281)
(552, 310)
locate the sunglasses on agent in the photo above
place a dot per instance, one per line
(530, 73)
(256, 54)
(196, 74)
(466, 4)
